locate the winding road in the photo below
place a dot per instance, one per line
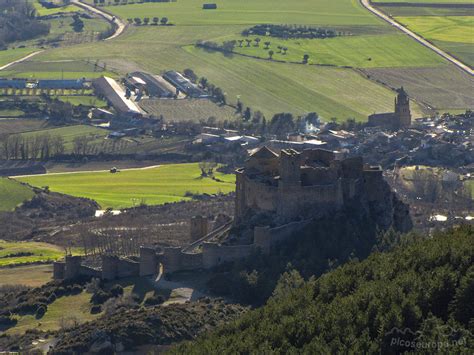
(117, 21)
(113, 19)
(419, 39)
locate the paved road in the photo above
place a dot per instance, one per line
(108, 17)
(459, 64)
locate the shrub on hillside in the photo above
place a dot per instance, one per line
(154, 300)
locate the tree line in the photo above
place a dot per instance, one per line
(290, 31)
(154, 21)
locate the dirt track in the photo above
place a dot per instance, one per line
(105, 15)
(419, 39)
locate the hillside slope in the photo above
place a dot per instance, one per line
(417, 297)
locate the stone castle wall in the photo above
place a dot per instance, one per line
(266, 238)
(214, 254)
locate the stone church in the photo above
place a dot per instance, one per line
(401, 118)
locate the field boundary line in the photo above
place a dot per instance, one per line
(464, 67)
(20, 60)
(85, 172)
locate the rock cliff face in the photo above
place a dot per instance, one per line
(389, 211)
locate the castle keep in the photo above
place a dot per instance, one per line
(298, 185)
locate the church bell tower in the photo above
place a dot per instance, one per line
(402, 109)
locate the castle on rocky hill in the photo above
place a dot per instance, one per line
(277, 197)
(299, 185)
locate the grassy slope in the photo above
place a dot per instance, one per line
(30, 275)
(41, 251)
(68, 133)
(167, 183)
(67, 307)
(12, 194)
(261, 85)
(10, 55)
(383, 51)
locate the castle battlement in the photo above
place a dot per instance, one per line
(296, 184)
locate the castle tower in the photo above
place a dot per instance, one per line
(290, 163)
(289, 185)
(199, 227)
(402, 109)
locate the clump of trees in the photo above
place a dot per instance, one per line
(290, 31)
(18, 22)
(77, 24)
(155, 21)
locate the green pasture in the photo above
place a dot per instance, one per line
(454, 34)
(13, 194)
(359, 51)
(83, 100)
(428, 1)
(66, 309)
(43, 11)
(230, 12)
(9, 252)
(10, 55)
(63, 69)
(68, 133)
(268, 87)
(442, 28)
(167, 183)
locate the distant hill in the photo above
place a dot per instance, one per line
(418, 297)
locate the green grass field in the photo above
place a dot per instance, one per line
(167, 183)
(428, 1)
(83, 100)
(13, 194)
(43, 11)
(452, 33)
(40, 252)
(28, 275)
(371, 51)
(264, 86)
(10, 55)
(229, 12)
(68, 133)
(68, 308)
(69, 69)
